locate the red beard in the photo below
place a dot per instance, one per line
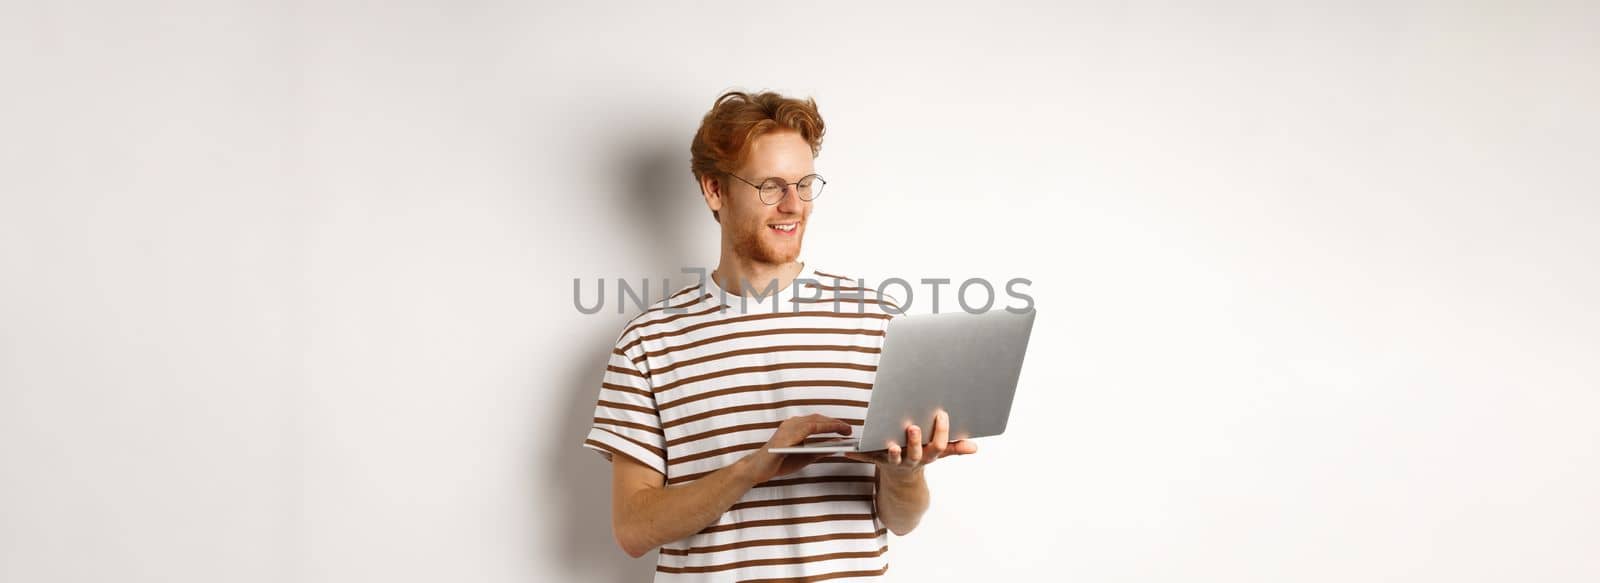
(751, 243)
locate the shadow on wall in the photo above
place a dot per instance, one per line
(655, 205)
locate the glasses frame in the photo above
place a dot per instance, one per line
(784, 192)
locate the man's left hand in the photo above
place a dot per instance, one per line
(904, 462)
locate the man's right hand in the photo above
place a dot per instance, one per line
(766, 465)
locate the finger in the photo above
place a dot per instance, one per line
(894, 454)
(820, 418)
(828, 426)
(913, 446)
(941, 435)
(961, 447)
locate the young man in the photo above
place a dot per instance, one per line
(768, 352)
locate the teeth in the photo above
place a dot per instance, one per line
(788, 227)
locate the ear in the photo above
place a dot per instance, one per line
(711, 189)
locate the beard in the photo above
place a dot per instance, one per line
(754, 244)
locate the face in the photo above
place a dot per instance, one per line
(758, 231)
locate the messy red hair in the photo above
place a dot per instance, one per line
(738, 118)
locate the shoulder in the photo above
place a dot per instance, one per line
(687, 300)
(833, 284)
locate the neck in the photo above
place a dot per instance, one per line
(733, 271)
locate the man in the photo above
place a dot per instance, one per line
(767, 352)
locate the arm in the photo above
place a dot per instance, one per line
(646, 514)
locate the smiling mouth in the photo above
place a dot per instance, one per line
(785, 228)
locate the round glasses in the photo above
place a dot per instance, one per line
(773, 189)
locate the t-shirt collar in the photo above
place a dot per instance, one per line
(750, 301)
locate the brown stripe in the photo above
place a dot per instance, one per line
(709, 310)
(814, 480)
(698, 475)
(835, 288)
(764, 387)
(615, 451)
(629, 424)
(750, 318)
(829, 275)
(626, 407)
(759, 407)
(754, 333)
(762, 368)
(803, 500)
(767, 350)
(778, 561)
(775, 541)
(631, 390)
(823, 577)
(839, 460)
(650, 448)
(668, 305)
(737, 428)
(688, 478)
(846, 300)
(783, 521)
(687, 290)
(740, 447)
(627, 371)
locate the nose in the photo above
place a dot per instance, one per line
(791, 203)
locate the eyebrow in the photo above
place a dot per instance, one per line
(802, 177)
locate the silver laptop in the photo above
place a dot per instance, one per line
(967, 364)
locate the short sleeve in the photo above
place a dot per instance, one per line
(626, 421)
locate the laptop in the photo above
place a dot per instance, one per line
(967, 364)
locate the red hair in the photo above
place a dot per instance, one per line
(738, 118)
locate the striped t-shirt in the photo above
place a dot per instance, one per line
(699, 381)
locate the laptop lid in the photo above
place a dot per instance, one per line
(967, 364)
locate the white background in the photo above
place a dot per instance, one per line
(286, 288)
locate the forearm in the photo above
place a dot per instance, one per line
(654, 516)
(902, 501)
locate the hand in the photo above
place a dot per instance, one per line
(792, 432)
(917, 454)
